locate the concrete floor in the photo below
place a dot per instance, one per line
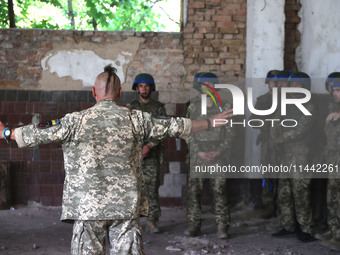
(35, 229)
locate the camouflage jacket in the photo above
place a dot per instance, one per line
(300, 134)
(156, 108)
(217, 139)
(263, 102)
(332, 131)
(102, 149)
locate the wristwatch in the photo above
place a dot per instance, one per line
(6, 134)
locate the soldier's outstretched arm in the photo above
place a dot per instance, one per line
(221, 119)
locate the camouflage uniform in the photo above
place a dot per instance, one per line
(150, 164)
(268, 156)
(220, 140)
(102, 149)
(332, 130)
(294, 194)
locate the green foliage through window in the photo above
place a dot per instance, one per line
(121, 15)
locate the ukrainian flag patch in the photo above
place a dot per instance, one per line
(48, 124)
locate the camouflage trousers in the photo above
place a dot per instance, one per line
(151, 178)
(294, 204)
(333, 207)
(220, 205)
(124, 237)
(269, 191)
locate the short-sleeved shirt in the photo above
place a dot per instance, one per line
(102, 149)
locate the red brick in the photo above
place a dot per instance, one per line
(45, 154)
(210, 36)
(221, 18)
(34, 190)
(293, 19)
(56, 157)
(45, 166)
(20, 107)
(8, 108)
(227, 24)
(4, 153)
(198, 36)
(207, 24)
(58, 190)
(46, 190)
(27, 153)
(196, 5)
(226, 12)
(13, 119)
(16, 154)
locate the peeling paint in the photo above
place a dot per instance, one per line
(72, 66)
(70, 63)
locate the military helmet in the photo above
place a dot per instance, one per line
(302, 78)
(283, 75)
(195, 83)
(205, 77)
(144, 78)
(335, 82)
(330, 78)
(208, 77)
(271, 75)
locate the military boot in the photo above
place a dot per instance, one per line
(192, 230)
(222, 231)
(324, 236)
(151, 227)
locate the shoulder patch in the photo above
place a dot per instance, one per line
(47, 124)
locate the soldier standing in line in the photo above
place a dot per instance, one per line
(294, 199)
(153, 153)
(331, 238)
(333, 108)
(102, 149)
(211, 147)
(269, 185)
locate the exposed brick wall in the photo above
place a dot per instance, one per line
(292, 34)
(215, 37)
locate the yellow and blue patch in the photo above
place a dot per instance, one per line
(48, 124)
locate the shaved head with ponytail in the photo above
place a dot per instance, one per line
(107, 84)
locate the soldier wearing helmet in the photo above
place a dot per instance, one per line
(269, 186)
(294, 198)
(331, 238)
(211, 147)
(153, 154)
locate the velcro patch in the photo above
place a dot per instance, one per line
(47, 124)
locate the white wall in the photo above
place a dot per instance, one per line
(319, 53)
(265, 45)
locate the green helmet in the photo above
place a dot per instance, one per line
(302, 78)
(271, 75)
(144, 78)
(330, 78)
(283, 76)
(205, 77)
(335, 82)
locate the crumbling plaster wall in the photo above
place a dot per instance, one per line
(319, 52)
